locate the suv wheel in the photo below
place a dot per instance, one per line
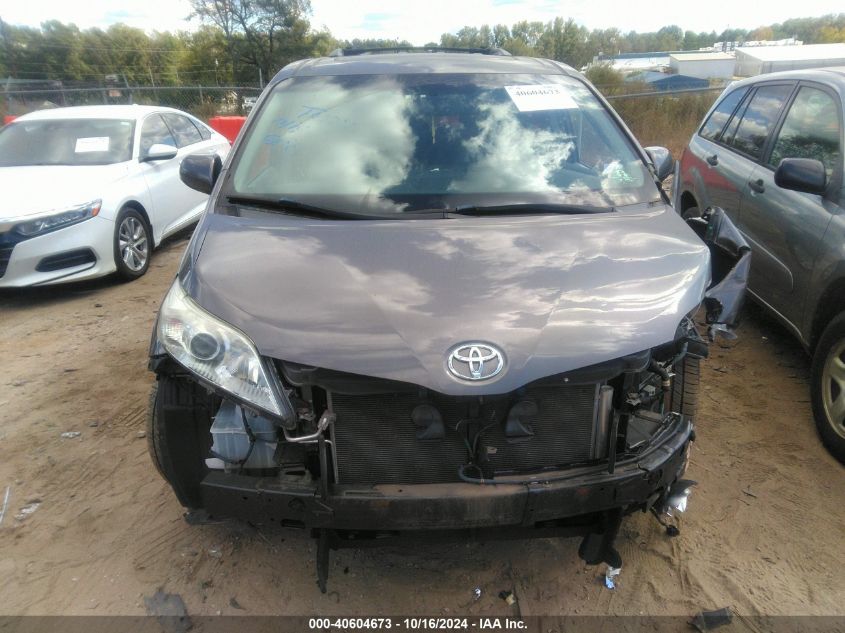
(828, 387)
(132, 244)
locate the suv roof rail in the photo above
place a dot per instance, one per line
(351, 52)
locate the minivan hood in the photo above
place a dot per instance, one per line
(389, 299)
(33, 190)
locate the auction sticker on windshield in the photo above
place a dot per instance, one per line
(532, 97)
(92, 144)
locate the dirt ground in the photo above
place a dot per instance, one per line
(763, 531)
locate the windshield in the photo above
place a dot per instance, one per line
(66, 142)
(376, 144)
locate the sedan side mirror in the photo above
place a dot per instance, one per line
(159, 151)
(200, 171)
(662, 160)
(801, 174)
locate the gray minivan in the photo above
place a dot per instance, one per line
(770, 154)
(437, 290)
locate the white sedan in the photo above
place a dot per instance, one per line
(89, 191)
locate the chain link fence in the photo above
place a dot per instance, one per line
(657, 117)
(203, 102)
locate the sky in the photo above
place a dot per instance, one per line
(423, 21)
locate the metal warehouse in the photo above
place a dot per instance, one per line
(702, 65)
(759, 60)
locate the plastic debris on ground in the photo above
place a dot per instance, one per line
(609, 575)
(28, 509)
(69, 435)
(709, 620)
(476, 593)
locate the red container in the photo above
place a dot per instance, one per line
(228, 126)
(9, 118)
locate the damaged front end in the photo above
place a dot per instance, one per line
(730, 257)
(358, 458)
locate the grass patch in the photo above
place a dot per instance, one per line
(667, 120)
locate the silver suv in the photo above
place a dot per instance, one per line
(770, 154)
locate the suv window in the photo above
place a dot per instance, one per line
(154, 131)
(811, 129)
(759, 118)
(185, 131)
(715, 123)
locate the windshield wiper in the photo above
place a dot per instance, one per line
(528, 208)
(286, 205)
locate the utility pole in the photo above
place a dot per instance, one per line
(260, 79)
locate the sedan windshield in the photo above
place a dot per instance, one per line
(399, 143)
(66, 142)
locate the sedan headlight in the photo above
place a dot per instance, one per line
(59, 220)
(218, 353)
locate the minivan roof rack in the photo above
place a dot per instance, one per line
(351, 52)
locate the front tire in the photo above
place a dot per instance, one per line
(828, 387)
(179, 437)
(132, 244)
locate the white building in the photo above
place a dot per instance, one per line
(753, 61)
(727, 47)
(702, 65)
(627, 63)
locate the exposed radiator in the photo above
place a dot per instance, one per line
(376, 440)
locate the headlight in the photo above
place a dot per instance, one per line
(218, 353)
(59, 220)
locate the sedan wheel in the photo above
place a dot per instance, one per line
(833, 388)
(132, 245)
(828, 387)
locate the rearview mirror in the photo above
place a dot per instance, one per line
(159, 151)
(801, 174)
(662, 160)
(200, 171)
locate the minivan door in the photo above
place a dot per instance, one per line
(784, 228)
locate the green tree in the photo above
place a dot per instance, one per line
(564, 41)
(266, 34)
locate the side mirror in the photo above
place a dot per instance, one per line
(159, 151)
(801, 174)
(200, 171)
(662, 160)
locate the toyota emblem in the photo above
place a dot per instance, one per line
(475, 361)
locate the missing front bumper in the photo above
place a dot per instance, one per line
(634, 484)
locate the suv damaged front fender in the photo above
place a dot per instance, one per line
(730, 257)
